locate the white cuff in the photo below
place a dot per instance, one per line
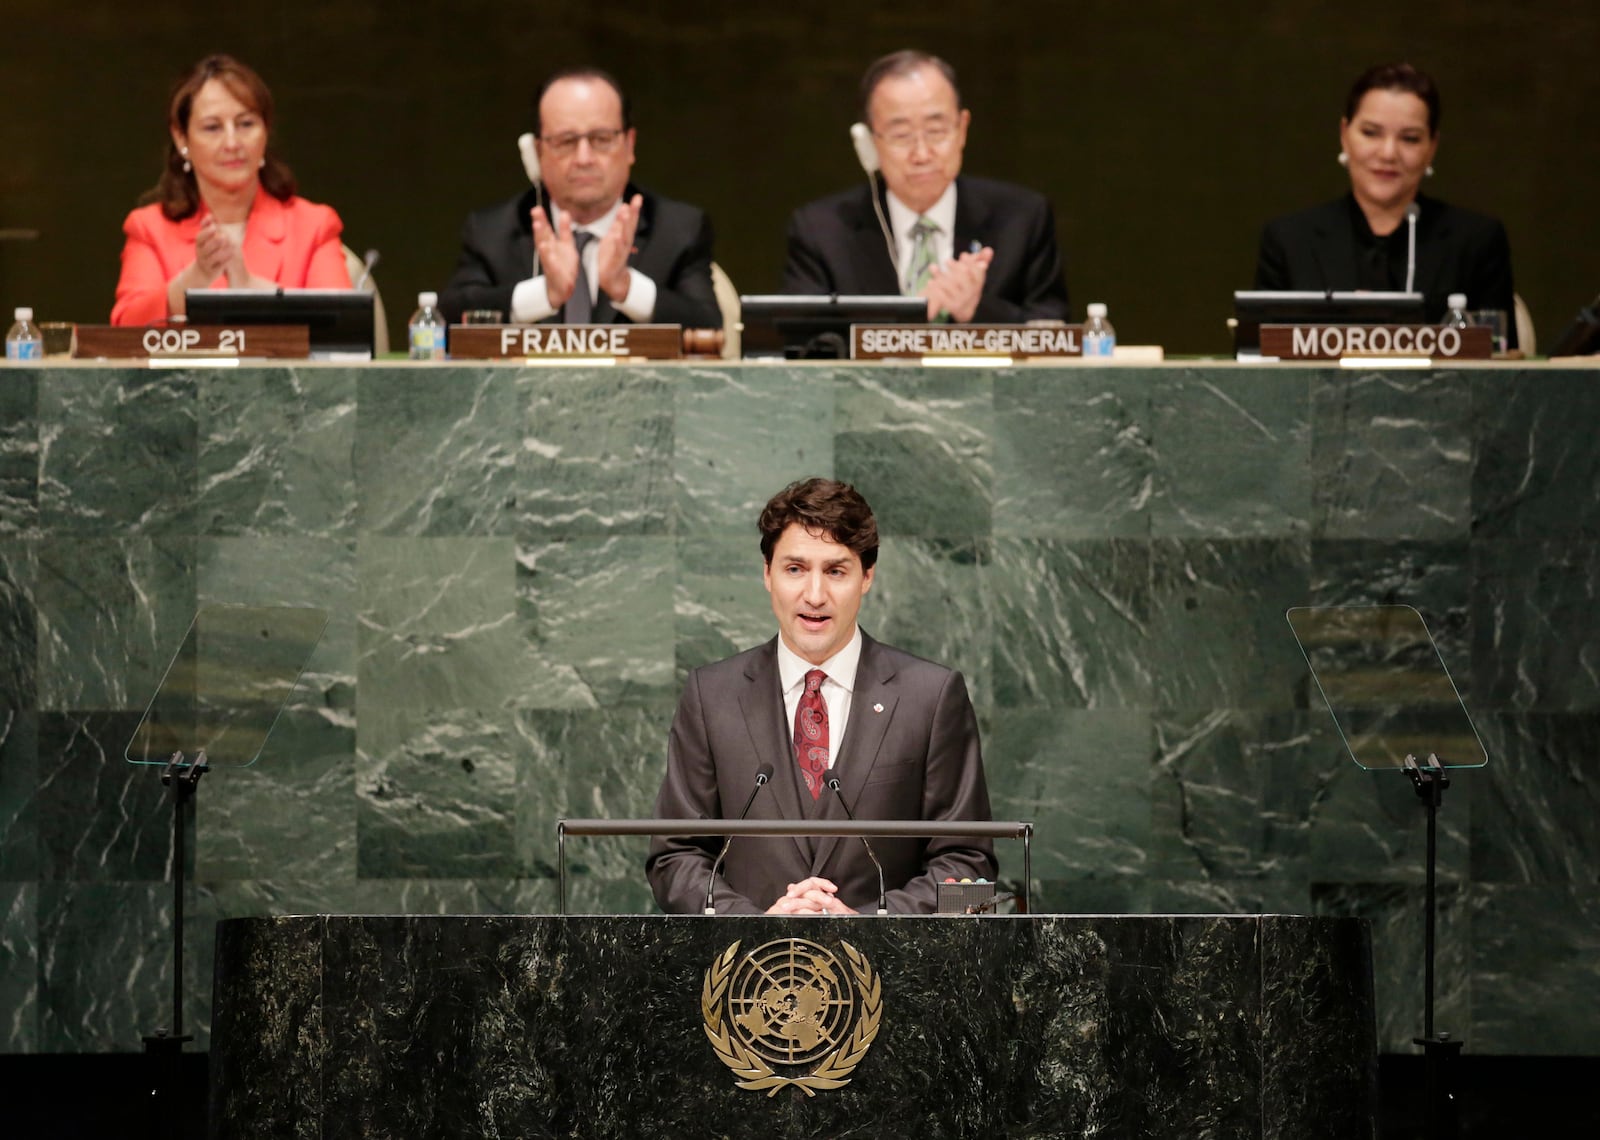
(640, 303)
(530, 301)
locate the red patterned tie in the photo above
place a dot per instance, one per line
(811, 733)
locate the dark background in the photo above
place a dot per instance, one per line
(1165, 133)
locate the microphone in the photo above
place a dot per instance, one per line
(833, 786)
(368, 260)
(1411, 244)
(763, 774)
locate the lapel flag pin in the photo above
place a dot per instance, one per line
(877, 708)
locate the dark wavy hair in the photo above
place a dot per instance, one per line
(177, 190)
(1397, 77)
(822, 506)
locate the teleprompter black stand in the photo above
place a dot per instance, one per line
(220, 698)
(1389, 692)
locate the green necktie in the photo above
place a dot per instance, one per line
(923, 255)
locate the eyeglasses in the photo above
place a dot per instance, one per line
(934, 136)
(601, 142)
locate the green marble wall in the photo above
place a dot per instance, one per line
(522, 564)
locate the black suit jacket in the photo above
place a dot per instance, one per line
(1458, 251)
(672, 247)
(917, 758)
(837, 246)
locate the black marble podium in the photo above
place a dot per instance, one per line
(1106, 1026)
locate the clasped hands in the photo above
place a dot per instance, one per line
(810, 896)
(558, 254)
(956, 285)
(216, 253)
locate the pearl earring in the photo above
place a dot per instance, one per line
(187, 165)
(1428, 173)
(1344, 159)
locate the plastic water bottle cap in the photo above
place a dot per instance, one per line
(1097, 309)
(427, 300)
(1457, 301)
(23, 313)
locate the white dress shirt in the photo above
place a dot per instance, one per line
(942, 214)
(836, 690)
(530, 299)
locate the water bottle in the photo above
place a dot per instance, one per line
(1456, 317)
(1099, 338)
(24, 341)
(427, 329)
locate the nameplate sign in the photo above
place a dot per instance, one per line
(502, 342)
(113, 343)
(896, 342)
(1329, 342)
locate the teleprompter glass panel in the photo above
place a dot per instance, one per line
(1390, 694)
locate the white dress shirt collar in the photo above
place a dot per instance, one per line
(942, 214)
(840, 668)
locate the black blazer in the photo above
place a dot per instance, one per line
(910, 752)
(837, 246)
(1458, 251)
(672, 247)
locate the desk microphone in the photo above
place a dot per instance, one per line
(763, 774)
(368, 260)
(1411, 244)
(833, 786)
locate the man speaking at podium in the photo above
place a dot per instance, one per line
(597, 250)
(977, 249)
(820, 703)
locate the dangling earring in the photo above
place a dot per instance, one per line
(1428, 173)
(1344, 159)
(262, 165)
(187, 165)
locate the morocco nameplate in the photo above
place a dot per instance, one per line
(502, 342)
(897, 342)
(1330, 342)
(200, 341)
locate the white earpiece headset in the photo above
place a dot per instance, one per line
(867, 155)
(530, 165)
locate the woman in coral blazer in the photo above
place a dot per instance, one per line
(225, 214)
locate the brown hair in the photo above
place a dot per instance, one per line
(177, 191)
(1396, 77)
(897, 65)
(822, 506)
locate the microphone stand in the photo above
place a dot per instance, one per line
(763, 774)
(833, 786)
(1441, 1055)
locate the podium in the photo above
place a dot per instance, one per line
(1040, 1025)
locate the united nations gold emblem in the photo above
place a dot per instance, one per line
(790, 1013)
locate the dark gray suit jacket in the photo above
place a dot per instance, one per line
(672, 247)
(918, 758)
(837, 246)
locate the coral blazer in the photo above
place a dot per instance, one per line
(295, 243)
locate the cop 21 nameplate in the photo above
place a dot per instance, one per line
(95, 342)
(911, 342)
(515, 342)
(1330, 342)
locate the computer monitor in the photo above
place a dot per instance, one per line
(802, 327)
(339, 320)
(1253, 308)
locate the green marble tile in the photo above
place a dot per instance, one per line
(1071, 623)
(112, 612)
(19, 967)
(1535, 805)
(19, 642)
(19, 795)
(1391, 455)
(919, 578)
(122, 452)
(1232, 454)
(597, 614)
(290, 815)
(1083, 777)
(436, 452)
(1535, 466)
(1216, 622)
(740, 435)
(1274, 895)
(438, 624)
(436, 794)
(917, 444)
(275, 447)
(1073, 454)
(631, 895)
(1369, 826)
(597, 457)
(19, 451)
(719, 604)
(294, 571)
(1535, 961)
(589, 764)
(1530, 600)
